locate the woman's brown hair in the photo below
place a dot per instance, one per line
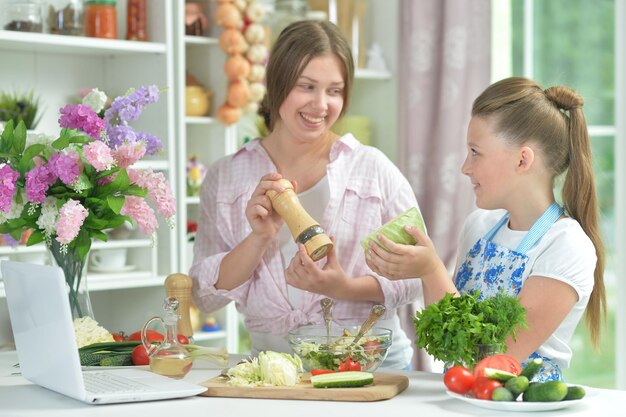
(295, 47)
(553, 120)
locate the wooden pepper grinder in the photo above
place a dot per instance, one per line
(179, 286)
(302, 226)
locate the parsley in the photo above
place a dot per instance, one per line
(451, 329)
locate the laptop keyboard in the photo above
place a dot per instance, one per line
(105, 382)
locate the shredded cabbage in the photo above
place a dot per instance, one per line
(269, 369)
(88, 332)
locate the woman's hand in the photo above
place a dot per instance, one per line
(403, 261)
(304, 274)
(265, 222)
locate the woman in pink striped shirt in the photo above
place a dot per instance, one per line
(244, 251)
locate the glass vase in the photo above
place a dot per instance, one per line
(75, 270)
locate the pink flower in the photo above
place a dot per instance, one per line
(38, 180)
(128, 153)
(138, 210)
(71, 217)
(81, 116)
(65, 166)
(98, 154)
(8, 178)
(159, 190)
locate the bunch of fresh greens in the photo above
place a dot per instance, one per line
(20, 107)
(451, 329)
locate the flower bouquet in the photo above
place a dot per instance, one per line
(69, 190)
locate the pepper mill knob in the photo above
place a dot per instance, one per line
(179, 286)
(302, 226)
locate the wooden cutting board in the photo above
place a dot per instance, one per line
(385, 386)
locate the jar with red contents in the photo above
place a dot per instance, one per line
(100, 19)
(136, 20)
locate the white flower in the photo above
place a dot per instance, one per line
(95, 99)
(34, 138)
(49, 216)
(16, 208)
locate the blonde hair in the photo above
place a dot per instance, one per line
(553, 120)
(295, 47)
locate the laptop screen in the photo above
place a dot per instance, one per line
(42, 326)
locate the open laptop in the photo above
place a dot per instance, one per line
(46, 346)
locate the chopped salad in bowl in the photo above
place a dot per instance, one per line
(337, 352)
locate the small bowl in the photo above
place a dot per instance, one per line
(318, 352)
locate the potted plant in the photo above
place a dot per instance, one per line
(454, 329)
(20, 107)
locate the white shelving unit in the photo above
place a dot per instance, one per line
(55, 67)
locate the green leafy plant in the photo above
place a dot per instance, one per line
(451, 329)
(20, 107)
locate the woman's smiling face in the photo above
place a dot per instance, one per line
(315, 102)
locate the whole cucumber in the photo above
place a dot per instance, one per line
(545, 391)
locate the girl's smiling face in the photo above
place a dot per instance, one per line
(315, 102)
(490, 164)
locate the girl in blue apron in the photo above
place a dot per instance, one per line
(520, 138)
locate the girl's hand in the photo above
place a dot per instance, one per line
(265, 222)
(304, 274)
(403, 261)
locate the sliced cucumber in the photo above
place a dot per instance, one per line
(498, 374)
(349, 379)
(532, 368)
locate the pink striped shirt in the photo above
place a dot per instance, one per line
(366, 190)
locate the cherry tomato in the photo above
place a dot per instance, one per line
(498, 361)
(151, 335)
(459, 379)
(118, 337)
(321, 371)
(483, 387)
(182, 339)
(349, 365)
(140, 356)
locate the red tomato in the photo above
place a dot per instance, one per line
(483, 387)
(349, 365)
(182, 339)
(372, 347)
(140, 356)
(321, 371)
(459, 379)
(118, 337)
(151, 335)
(499, 361)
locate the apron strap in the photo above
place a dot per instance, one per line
(490, 234)
(540, 227)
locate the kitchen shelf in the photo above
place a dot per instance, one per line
(155, 165)
(121, 243)
(366, 74)
(193, 120)
(75, 45)
(202, 336)
(200, 40)
(193, 200)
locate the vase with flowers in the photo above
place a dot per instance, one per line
(69, 190)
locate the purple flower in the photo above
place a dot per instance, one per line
(118, 135)
(8, 178)
(80, 116)
(153, 144)
(38, 180)
(128, 108)
(65, 167)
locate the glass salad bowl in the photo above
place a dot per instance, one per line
(337, 352)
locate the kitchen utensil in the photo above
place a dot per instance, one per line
(327, 311)
(375, 313)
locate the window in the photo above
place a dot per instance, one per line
(572, 42)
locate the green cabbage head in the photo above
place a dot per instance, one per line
(394, 229)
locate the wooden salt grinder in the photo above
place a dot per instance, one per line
(302, 226)
(179, 286)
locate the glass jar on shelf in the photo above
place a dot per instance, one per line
(101, 19)
(22, 16)
(136, 20)
(65, 17)
(286, 12)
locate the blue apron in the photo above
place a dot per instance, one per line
(490, 268)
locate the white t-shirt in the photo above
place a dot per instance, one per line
(564, 253)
